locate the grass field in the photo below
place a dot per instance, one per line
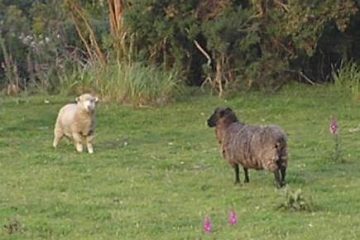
(157, 172)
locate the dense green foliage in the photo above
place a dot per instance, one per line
(157, 172)
(228, 44)
(253, 43)
(34, 38)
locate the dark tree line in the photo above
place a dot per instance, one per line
(228, 44)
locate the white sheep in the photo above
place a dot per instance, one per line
(76, 121)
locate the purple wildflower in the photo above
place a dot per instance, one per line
(334, 127)
(207, 225)
(233, 218)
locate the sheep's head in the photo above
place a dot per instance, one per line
(222, 116)
(87, 102)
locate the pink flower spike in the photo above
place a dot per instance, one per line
(233, 218)
(334, 127)
(207, 225)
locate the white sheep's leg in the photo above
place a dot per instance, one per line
(89, 145)
(78, 142)
(58, 135)
(246, 175)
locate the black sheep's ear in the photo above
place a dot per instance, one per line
(228, 109)
(231, 115)
(222, 112)
(217, 110)
(225, 111)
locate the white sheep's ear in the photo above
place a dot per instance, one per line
(96, 99)
(77, 99)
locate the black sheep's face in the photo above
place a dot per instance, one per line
(221, 115)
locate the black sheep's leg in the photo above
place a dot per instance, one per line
(277, 178)
(283, 174)
(237, 178)
(246, 175)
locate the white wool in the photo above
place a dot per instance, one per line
(77, 122)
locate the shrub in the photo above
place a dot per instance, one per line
(296, 201)
(135, 83)
(347, 79)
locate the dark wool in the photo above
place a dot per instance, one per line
(252, 147)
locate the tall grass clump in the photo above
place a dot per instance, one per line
(77, 80)
(347, 79)
(296, 201)
(126, 83)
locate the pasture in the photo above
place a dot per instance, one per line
(157, 172)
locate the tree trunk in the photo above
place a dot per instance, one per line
(116, 12)
(219, 75)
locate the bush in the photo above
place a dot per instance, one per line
(347, 79)
(124, 83)
(296, 201)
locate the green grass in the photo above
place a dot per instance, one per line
(170, 174)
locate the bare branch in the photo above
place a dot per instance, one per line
(306, 78)
(282, 5)
(203, 52)
(78, 17)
